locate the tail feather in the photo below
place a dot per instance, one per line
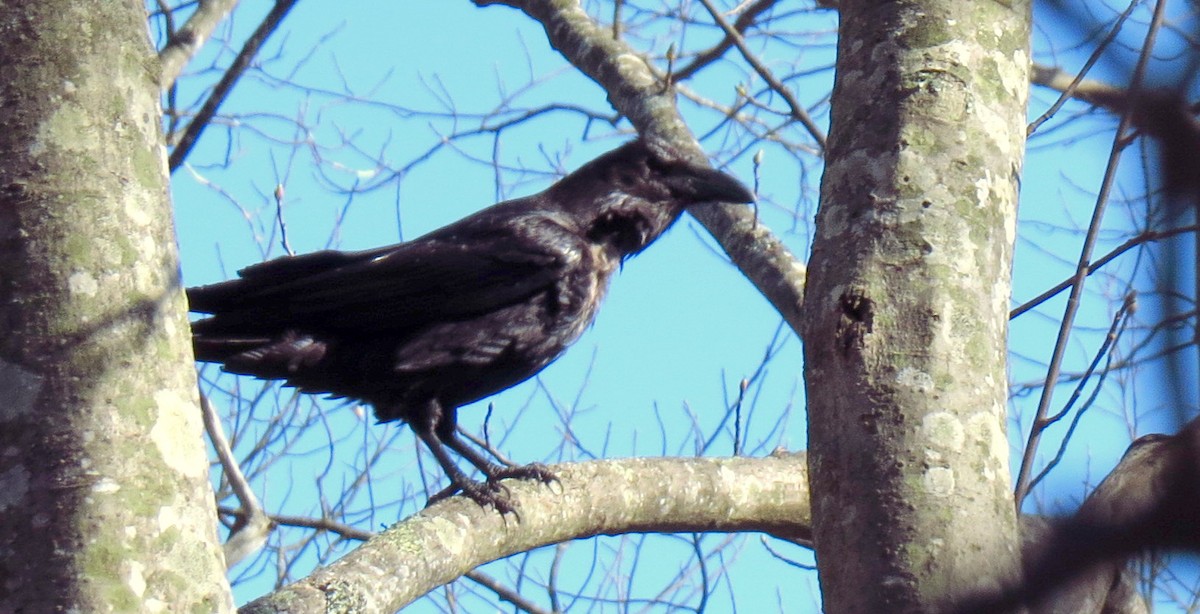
(289, 357)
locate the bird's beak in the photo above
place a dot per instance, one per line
(703, 184)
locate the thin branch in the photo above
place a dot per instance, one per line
(798, 111)
(1085, 255)
(712, 54)
(1120, 321)
(505, 593)
(253, 527)
(1069, 89)
(1144, 237)
(192, 134)
(340, 529)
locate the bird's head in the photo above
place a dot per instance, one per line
(629, 196)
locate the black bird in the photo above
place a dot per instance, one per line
(421, 328)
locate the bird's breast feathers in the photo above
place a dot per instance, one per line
(579, 297)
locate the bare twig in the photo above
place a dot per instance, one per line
(505, 593)
(798, 111)
(1085, 256)
(1145, 237)
(712, 54)
(225, 85)
(1120, 321)
(1068, 90)
(253, 527)
(320, 524)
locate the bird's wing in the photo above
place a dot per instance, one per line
(443, 276)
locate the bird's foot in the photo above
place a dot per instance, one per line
(485, 494)
(532, 471)
(492, 492)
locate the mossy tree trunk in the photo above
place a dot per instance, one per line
(105, 503)
(906, 306)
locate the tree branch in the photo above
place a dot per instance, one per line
(1147, 501)
(799, 113)
(638, 495)
(187, 40)
(740, 25)
(253, 526)
(1085, 257)
(225, 85)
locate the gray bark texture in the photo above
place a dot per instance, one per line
(105, 503)
(906, 306)
(447, 540)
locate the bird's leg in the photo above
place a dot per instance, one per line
(427, 430)
(447, 432)
(486, 447)
(494, 471)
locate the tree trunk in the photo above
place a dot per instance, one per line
(105, 503)
(907, 302)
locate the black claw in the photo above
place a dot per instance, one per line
(493, 492)
(439, 435)
(483, 493)
(532, 471)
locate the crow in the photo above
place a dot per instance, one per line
(420, 328)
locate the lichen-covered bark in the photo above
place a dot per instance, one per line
(188, 39)
(104, 498)
(907, 301)
(451, 538)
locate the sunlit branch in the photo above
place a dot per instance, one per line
(188, 39)
(253, 526)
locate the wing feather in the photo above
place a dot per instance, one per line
(443, 276)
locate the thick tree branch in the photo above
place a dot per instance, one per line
(1149, 500)
(638, 495)
(187, 40)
